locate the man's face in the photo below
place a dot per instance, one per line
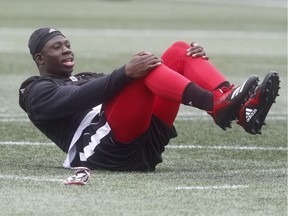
(57, 56)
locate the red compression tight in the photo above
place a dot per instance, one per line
(159, 93)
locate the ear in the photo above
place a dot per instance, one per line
(39, 59)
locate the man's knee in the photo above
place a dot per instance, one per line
(180, 45)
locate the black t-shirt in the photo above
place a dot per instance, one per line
(56, 105)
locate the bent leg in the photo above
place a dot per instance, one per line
(168, 87)
(129, 113)
(197, 70)
(166, 110)
(159, 93)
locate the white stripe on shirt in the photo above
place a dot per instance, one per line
(85, 122)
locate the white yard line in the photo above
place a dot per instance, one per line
(187, 146)
(211, 187)
(19, 120)
(207, 118)
(180, 118)
(28, 178)
(58, 179)
(45, 179)
(181, 113)
(183, 116)
(26, 143)
(250, 148)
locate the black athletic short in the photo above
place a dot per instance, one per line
(142, 154)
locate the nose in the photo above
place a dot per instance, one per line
(66, 50)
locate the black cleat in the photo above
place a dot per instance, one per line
(253, 114)
(228, 101)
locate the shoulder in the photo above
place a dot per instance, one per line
(31, 81)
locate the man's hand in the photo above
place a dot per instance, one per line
(196, 51)
(141, 64)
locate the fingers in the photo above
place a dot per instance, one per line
(152, 61)
(149, 59)
(141, 64)
(143, 53)
(196, 51)
(205, 57)
(194, 44)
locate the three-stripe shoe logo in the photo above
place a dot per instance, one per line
(249, 113)
(238, 90)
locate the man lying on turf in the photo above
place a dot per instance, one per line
(124, 120)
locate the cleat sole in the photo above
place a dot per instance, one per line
(266, 100)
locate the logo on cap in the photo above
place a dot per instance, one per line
(52, 30)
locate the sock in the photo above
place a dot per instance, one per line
(196, 96)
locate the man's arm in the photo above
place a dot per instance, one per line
(49, 100)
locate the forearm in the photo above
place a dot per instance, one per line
(103, 88)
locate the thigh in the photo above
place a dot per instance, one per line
(129, 113)
(165, 110)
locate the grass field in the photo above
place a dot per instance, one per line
(205, 171)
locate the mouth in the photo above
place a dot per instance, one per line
(69, 62)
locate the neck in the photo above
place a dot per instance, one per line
(44, 73)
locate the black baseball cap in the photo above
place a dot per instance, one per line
(40, 37)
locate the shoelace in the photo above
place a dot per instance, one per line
(223, 90)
